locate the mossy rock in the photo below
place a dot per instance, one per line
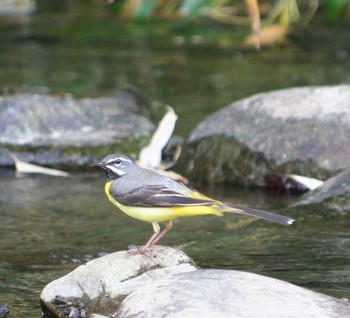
(300, 130)
(220, 159)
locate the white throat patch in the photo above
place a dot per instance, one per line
(117, 171)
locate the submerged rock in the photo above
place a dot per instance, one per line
(64, 130)
(166, 283)
(299, 130)
(4, 311)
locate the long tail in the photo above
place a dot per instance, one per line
(269, 216)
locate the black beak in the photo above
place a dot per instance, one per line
(98, 164)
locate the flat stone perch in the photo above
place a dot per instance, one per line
(105, 281)
(228, 293)
(166, 282)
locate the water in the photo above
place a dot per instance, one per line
(49, 226)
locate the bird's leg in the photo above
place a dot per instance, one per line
(156, 229)
(167, 228)
(142, 249)
(157, 235)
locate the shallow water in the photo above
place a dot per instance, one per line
(49, 226)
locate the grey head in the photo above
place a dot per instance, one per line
(116, 165)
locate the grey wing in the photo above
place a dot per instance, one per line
(159, 196)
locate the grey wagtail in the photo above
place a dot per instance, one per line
(151, 197)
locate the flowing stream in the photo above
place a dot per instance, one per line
(49, 226)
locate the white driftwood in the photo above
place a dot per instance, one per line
(24, 167)
(309, 183)
(151, 155)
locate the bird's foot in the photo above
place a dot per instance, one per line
(140, 250)
(137, 250)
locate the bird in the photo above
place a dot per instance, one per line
(149, 196)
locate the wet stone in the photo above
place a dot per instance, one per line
(4, 311)
(101, 284)
(62, 130)
(299, 130)
(331, 199)
(165, 283)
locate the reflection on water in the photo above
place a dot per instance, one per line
(50, 225)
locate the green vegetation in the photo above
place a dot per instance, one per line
(269, 20)
(283, 11)
(335, 9)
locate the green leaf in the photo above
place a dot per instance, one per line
(334, 8)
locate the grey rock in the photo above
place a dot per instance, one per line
(109, 278)
(4, 311)
(17, 8)
(299, 130)
(166, 283)
(42, 120)
(331, 199)
(222, 293)
(336, 186)
(66, 132)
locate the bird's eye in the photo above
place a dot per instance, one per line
(118, 162)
